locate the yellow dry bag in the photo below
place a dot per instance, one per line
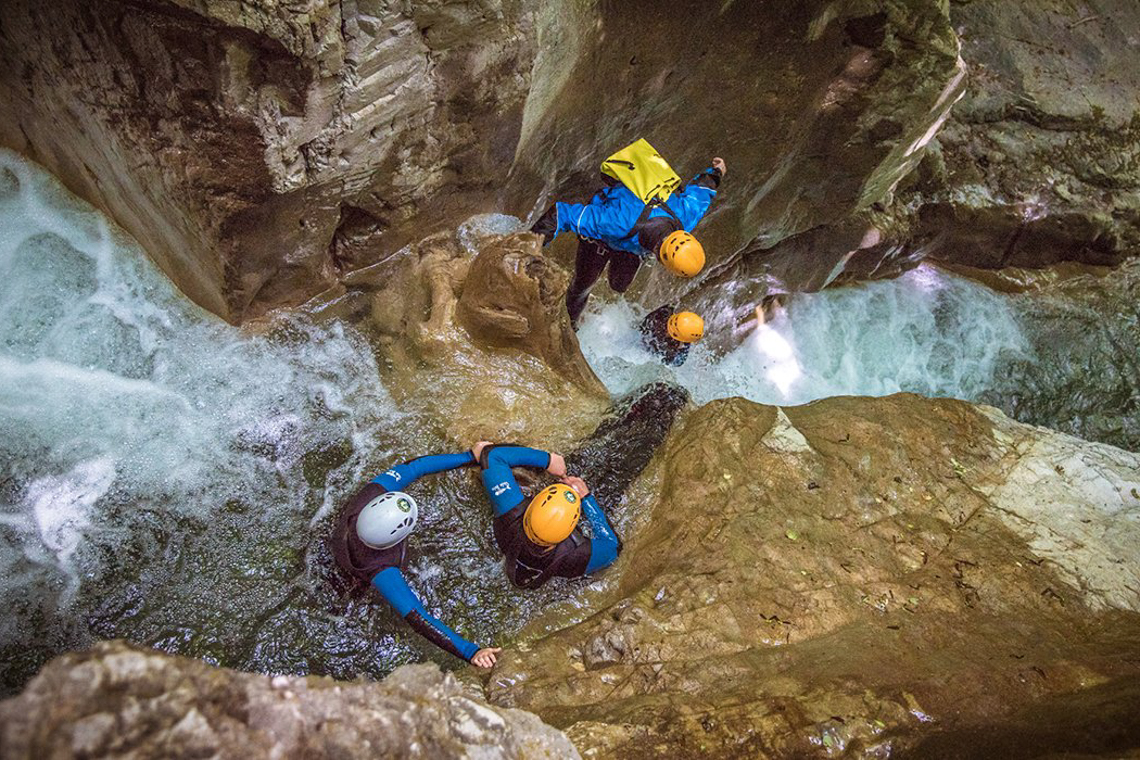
(642, 169)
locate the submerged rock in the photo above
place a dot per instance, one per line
(850, 576)
(118, 700)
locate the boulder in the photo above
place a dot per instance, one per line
(855, 575)
(514, 297)
(488, 325)
(118, 700)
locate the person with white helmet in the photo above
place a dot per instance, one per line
(540, 538)
(370, 542)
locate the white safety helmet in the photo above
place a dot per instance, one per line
(387, 520)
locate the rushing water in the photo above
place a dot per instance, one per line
(168, 478)
(925, 332)
(163, 473)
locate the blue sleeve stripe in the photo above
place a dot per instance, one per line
(403, 475)
(603, 547)
(519, 456)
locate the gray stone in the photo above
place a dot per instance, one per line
(150, 705)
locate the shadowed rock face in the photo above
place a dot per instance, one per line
(850, 576)
(119, 700)
(819, 109)
(1039, 162)
(257, 150)
(1035, 165)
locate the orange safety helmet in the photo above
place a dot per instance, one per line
(682, 254)
(552, 515)
(685, 327)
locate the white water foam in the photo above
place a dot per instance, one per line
(925, 332)
(116, 392)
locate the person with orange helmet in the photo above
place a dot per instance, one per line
(540, 537)
(619, 229)
(670, 334)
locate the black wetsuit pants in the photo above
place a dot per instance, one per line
(592, 259)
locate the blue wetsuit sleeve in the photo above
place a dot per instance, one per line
(502, 488)
(390, 582)
(604, 544)
(693, 201)
(402, 475)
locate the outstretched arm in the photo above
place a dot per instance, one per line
(402, 475)
(502, 488)
(696, 197)
(390, 582)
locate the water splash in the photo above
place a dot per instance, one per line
(925, 332)
(123, 404)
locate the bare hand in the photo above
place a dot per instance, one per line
(578, 485)
(485, 658)
(718, 163)
(477, 449)
(557, 466)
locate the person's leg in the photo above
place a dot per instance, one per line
(623, 268)
(588, 266)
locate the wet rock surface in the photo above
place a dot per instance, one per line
(853, 576)
(487, 325)
(122, 701)
(1082, 375)
(514, 297)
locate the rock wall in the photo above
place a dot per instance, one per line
(1035, 164)
(1039, 163)
(852, 576)
(257, 150)
(122, 701)
(818, 107)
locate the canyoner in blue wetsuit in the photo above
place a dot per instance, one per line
(540, 539)
(370, 542)
(618, 228)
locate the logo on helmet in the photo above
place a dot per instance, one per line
(570, 496)
(404, 505)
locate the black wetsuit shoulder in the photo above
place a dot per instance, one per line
(527, 564)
